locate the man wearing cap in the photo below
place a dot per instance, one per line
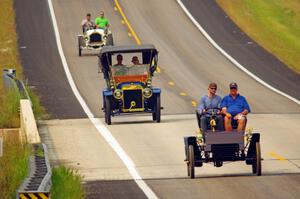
(209, 103)
(234, 106)
(102, 22)
(87, 23)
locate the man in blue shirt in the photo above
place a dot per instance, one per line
(234, 106)
(209, 103)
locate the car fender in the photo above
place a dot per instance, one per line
(156, 90)
(107, 93)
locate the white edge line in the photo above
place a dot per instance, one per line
(102, 129)
(231, 58)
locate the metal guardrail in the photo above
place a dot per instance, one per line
(38, 183)
(11, 82)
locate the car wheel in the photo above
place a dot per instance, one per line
(110, 40)
(191, 164)
(107, 111)
(79, 45)
(157, 109)
(256, 165)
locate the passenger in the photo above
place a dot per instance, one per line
(119, 60)
(135, 60)
(210, 103)
(101, 21)
(119, 68)
(235, 106)
(87, 23)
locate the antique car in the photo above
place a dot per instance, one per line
(94, 39)
(217, 146)
(129, 84)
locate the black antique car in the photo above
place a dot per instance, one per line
(217, 146)
(128, 71)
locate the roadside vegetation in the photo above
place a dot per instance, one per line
(66, 183)
(13, 164)
(274, 24)
(9, 100)
(9, 58)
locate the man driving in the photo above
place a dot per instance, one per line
(87, 23)
(234, 106)
(208, 104)
(119, 68)
(101, 21)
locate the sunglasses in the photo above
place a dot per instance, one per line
(233, 88)
(213, 88)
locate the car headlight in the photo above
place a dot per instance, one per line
(118, 93)
(104, 37)
(148, 83)
(86, 38)
(147, 92)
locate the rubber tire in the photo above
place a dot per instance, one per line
(107, 111)
(256, 165)
(157, 109)
(79, 46)
(191, 160)
(110, 40)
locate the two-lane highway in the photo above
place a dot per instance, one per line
(190, 62)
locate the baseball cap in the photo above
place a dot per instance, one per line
(233, 85)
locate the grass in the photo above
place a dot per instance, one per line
(66, 184)
(9, 108)
(13, 164)
(9, 58)
(274, 24)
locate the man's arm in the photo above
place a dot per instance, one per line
(224, 107)
(201, 106)
(246, 107)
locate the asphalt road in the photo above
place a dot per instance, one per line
(187, 59)
(40, 60)
(248, 53)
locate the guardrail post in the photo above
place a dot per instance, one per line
(8, 78)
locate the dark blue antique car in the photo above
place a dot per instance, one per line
(128, 71)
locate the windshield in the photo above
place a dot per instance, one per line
(127, 70)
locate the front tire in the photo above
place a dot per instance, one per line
(157, 114)
(110, 40)
(191, 164)
(80, 41)
(256, 165)
(107, 111)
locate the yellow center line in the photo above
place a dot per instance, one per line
(171, 83)
(278, 157)
(194, 103)
(182, 94)
(132, 32)
(138, 41)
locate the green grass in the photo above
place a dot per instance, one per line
(66, 184)
(13, 165)
(274, 24)
(38, 110)
(9, 58)
(9, 103)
